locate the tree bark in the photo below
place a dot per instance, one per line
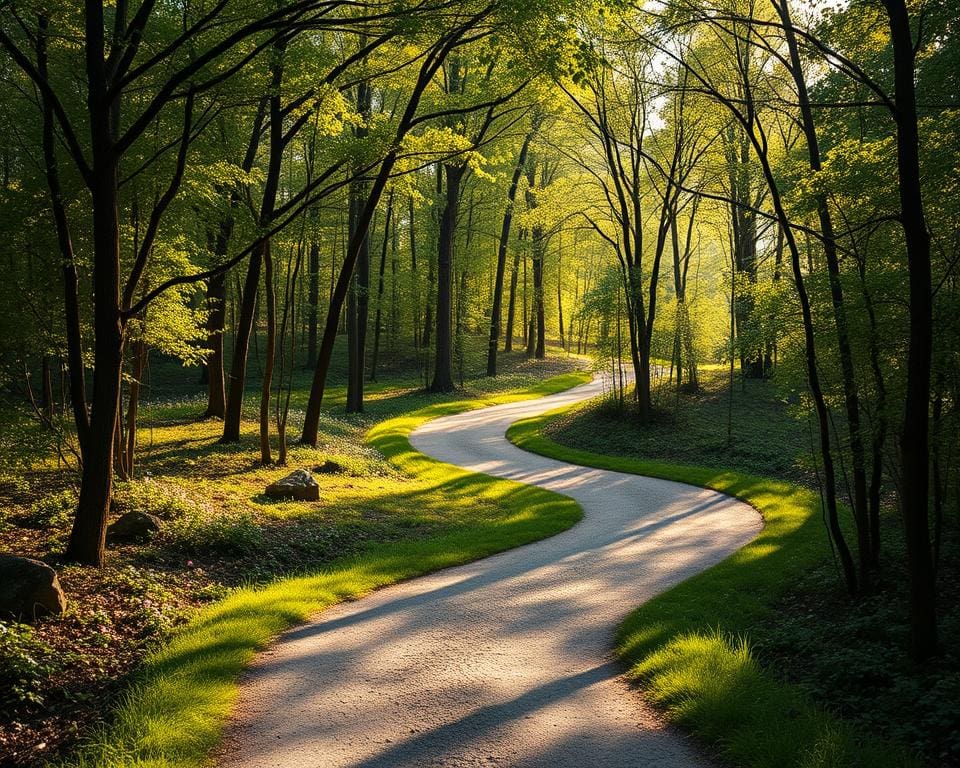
(375, 354)
(216, 322)
(443, 359)
(915, 430)
(87, 537)
(504, 242)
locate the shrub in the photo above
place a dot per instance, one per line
(55, 510)
(26, 662)
(162, 498)
(235, 533)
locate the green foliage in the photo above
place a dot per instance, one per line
(155, 496)
(52, 511)
(25, 663)
(227, 533)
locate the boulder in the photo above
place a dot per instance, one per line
(330, 467)
(133, 526)
(29, 588)
(298, 485)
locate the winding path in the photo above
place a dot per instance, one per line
(506, 661)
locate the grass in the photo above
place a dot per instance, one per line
(690, 647)
(174, 714)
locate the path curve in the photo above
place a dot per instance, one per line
(503, 662)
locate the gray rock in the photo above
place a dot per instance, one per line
(29, 588)
(298, 485)
(330, 467)
(134, 526)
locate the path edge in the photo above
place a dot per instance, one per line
(689, 649)
(176, 709)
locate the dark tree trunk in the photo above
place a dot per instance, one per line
(216, 321)
(244, 327)
(313, 300)
(538, 316)
(850, 389)
(267, 384)
(512, 304)
(380, 289)
(443, 360)
(357, 309)
(504, 242)
(77, 379)
(358, 306)
(914, 433)
(86, 543)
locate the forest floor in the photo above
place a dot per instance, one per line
(57, 678)
(848, 655)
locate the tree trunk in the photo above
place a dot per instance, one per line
(443, 360)
(850, 389)
(538, 315)
(504, 242)
(216, 320)
(358, 307)
(380, 289)
(914, 433)
(244, 327)
(267, 384)
(86, 543)
(512, 304)
(313, 297)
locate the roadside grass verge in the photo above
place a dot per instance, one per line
(689, 647)
(174, 713)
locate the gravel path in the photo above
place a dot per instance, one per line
(506, 661)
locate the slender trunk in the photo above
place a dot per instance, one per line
(140, 355)
(850, 389)
(357, 309)
(512, 304)
(504, 242)
(359, 300)
(71, 290)
(539, 247)
(244, 326)
(216, 306)
(417, 335)
(914, 433)
(813, 377)
(46, 386)
(313, 297)
(267, 384)
(443, 359)
(87, 537)
(563, 340)
(380, 289)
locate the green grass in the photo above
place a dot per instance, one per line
(174, 713)
(690, 646)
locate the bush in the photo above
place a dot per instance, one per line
(232, 533)
(164, 499)
(26, 662)
(55, 510)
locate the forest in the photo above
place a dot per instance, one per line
(253, 247)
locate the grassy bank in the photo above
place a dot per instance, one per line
(690, 647)
(175, 712)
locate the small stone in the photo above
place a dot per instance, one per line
(29, 588)
(133, 526)
(330, 467)
(298, 485)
